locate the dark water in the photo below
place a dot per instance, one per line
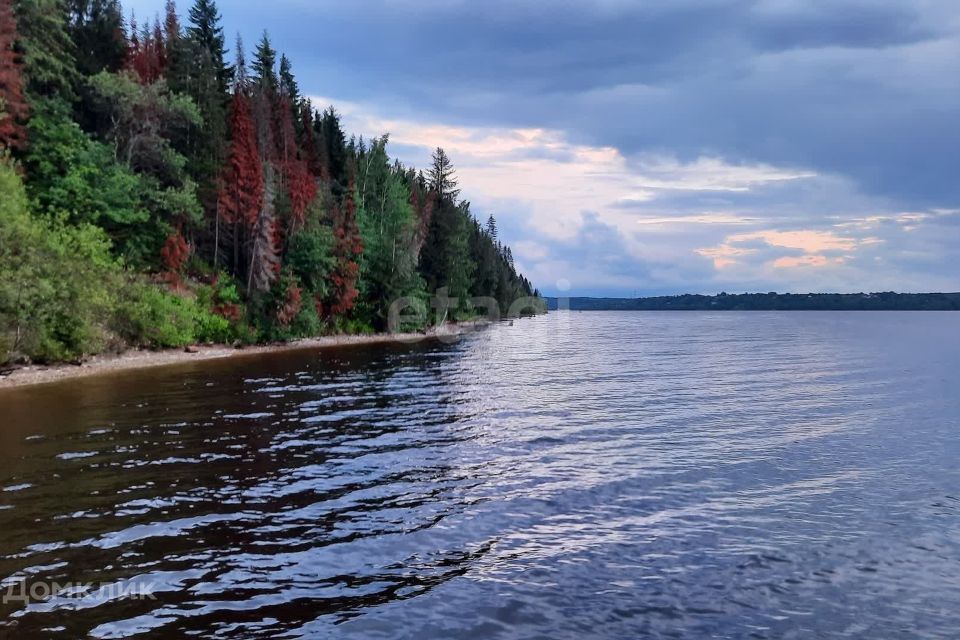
(590, 475)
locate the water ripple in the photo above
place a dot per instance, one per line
(580, 475)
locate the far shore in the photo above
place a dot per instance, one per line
(30, 375)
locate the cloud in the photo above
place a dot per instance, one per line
(793, 262)
(618, 224)
(735, 144)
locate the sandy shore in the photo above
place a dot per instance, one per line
(36, 374)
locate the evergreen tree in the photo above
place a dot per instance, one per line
(264, 66)
(181, 55)
(388, 228)
(208, 81)
(347, 249)
(147, 53)
(317, 227)
(98, 35)
(442, 177)
(288, 84)
(50, 66)
(13, 105)
(445, 260)
(311, 153)
(241, 185)
(206, 33)
(333, 150)
(492, 227)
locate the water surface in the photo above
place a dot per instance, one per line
(581, 475)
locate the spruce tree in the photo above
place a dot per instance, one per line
(333, 149)
(264, 66)
(492, 227)
(97, 30)
(206, 33)
(288, 83)
(50, 65)
(442, 176)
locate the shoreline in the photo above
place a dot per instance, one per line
(34, 375)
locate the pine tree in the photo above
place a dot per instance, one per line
(286, 133)
(423, 203)
(198, 68)
(492, 228)
(181, 59)
(442, 177)
(264, 66)
(445, 259)
(333, 150)
(50, 66)
(242, 192)
(13, 105)
(97, 30)
(147, 53)
(348, 247)
(206, 33)
(288, 84)
(242, 183)
(311, 153)
(264, 97)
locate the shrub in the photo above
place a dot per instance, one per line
(151, 317)
(57, 281)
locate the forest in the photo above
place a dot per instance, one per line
(885, 301)
(158, 190)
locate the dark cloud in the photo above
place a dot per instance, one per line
(866, 89)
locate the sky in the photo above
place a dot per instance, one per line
(648, 147)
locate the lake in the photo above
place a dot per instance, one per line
(579, 475)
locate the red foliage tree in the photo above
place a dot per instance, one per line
(13, 106)
(241, 192)
(302, 187)
(147, 53)
(348, 245)
(291, 307)
(174, 256)
(286, 134)
(295, 174)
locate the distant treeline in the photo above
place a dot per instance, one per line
(887, 301)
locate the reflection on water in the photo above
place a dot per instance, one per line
(611, 475)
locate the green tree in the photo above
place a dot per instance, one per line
(264, 66)
(442, 178)
(96, 27)
(58, 282)
(389, 264)
(288, 83)
(143, 121)
(50, 63)
(333, 150)
(208, 84)
(70, 174)
(445, 260)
